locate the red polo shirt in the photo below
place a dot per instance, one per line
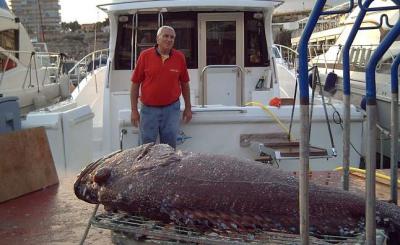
(160, 82)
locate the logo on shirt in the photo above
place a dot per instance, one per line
(174, 70)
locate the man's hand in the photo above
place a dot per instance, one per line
(135, 118)
(187, 115)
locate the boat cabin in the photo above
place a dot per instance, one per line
(224, 43)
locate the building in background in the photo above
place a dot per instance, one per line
(41, 18)
(287, 17)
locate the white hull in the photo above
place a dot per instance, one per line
(90, 126)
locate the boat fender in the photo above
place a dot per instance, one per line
(277, 102)
(330, 83)
(331, 78)
(363, 103)
(64, 86)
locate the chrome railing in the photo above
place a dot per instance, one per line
(289, 55)
(359, 56)
(317, 55)
(50, 62)
(203, 84)
(87, 65)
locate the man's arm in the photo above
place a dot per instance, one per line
(135, 117)
(187, 113)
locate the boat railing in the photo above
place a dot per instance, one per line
(359, 56)
(49, 61)
(289, 55)
(318, 55)
(322, 25)
(87, 65)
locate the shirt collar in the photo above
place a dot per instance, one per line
(158, 53)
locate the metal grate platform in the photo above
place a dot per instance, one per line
(279, 147)
(141, 229)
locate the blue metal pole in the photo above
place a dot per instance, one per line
(346, 93)
(303, 49)
(304, 121)
(373, 62)
(394, 128)
(379, 8)
(395, 74)
(371, 130)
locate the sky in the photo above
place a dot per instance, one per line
(83, 11)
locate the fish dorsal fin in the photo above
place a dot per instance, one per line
(153, 156)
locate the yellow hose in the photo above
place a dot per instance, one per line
(272, 115)
(362, 171)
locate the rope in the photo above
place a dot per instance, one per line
(337, 119)
(272, 115)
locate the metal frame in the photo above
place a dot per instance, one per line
(371, 111)
(394, 128)
(346, 93)
(371, 128)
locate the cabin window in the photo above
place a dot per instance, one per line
(6, 63)
(256, 52)
(185, 25)
(9, 41)
(146, 32)
(123, 49)
(221, 42)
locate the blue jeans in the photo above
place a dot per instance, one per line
(163, 121)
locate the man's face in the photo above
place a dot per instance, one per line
(166, 39)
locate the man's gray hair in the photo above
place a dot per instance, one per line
(163, 28)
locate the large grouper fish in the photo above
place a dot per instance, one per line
(218, 192)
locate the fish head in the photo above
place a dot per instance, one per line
(88, 182)
(104, 177)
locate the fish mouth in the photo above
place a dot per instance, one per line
(79, 186)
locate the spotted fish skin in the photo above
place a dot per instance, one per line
(217, 192)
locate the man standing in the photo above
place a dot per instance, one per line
(161, 74)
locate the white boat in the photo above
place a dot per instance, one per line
(24, 72)
(326, 52)
(228, 48)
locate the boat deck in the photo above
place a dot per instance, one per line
(55, 216)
